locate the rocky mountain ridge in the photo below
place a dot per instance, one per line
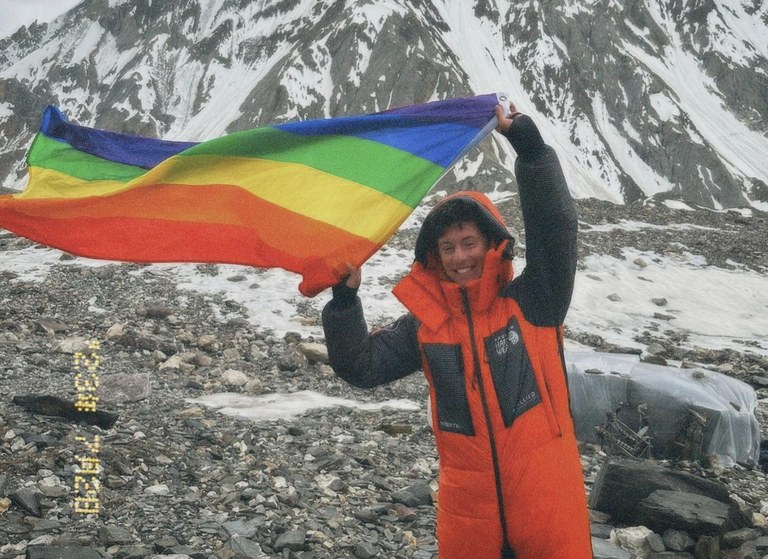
(641, 98)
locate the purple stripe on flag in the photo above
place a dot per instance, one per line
(112, 146)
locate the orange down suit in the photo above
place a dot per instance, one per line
(510, 483)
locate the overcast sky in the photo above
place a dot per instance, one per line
(15, 13)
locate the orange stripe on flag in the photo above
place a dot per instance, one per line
(142, 233)
(223, 203)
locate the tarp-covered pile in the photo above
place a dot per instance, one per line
(676, 409)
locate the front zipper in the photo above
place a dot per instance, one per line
(478, 381)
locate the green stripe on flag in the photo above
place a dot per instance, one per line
(59, 156)
(363, 161)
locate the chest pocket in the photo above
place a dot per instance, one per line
(512, 373)
(447, 368)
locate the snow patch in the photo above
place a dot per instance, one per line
(664, 107)
(627, 158)
(718, 308)
(678, 205)
(6, 110)
(627, 225)
(272, 407)
(88, 43)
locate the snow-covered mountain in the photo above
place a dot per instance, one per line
(640, 97)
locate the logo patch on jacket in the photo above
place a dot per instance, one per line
(502, 342)
(512, 373)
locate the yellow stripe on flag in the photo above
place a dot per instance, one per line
(356, 208)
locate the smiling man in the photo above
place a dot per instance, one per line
(491, 347)
(462, 251)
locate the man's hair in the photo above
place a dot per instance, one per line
(453, 211)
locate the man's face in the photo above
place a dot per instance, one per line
(462, 251)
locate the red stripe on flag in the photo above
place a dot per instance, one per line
(314, 249)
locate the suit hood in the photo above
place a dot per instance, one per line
(479, 208)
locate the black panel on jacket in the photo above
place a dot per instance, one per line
(447, 368)
(512, 373)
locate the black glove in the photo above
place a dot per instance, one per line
(343, 295)
(525, 136)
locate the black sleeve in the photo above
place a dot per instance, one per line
(367, 359)
(545, 287)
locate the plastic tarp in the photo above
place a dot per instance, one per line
(603, 382)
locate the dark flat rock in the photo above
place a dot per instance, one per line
(62, 552)
(28, 500)
(695, 514)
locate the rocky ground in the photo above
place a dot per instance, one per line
(179, 479)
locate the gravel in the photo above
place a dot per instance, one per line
(181, 479)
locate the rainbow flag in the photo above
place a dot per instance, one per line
(304, 196)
